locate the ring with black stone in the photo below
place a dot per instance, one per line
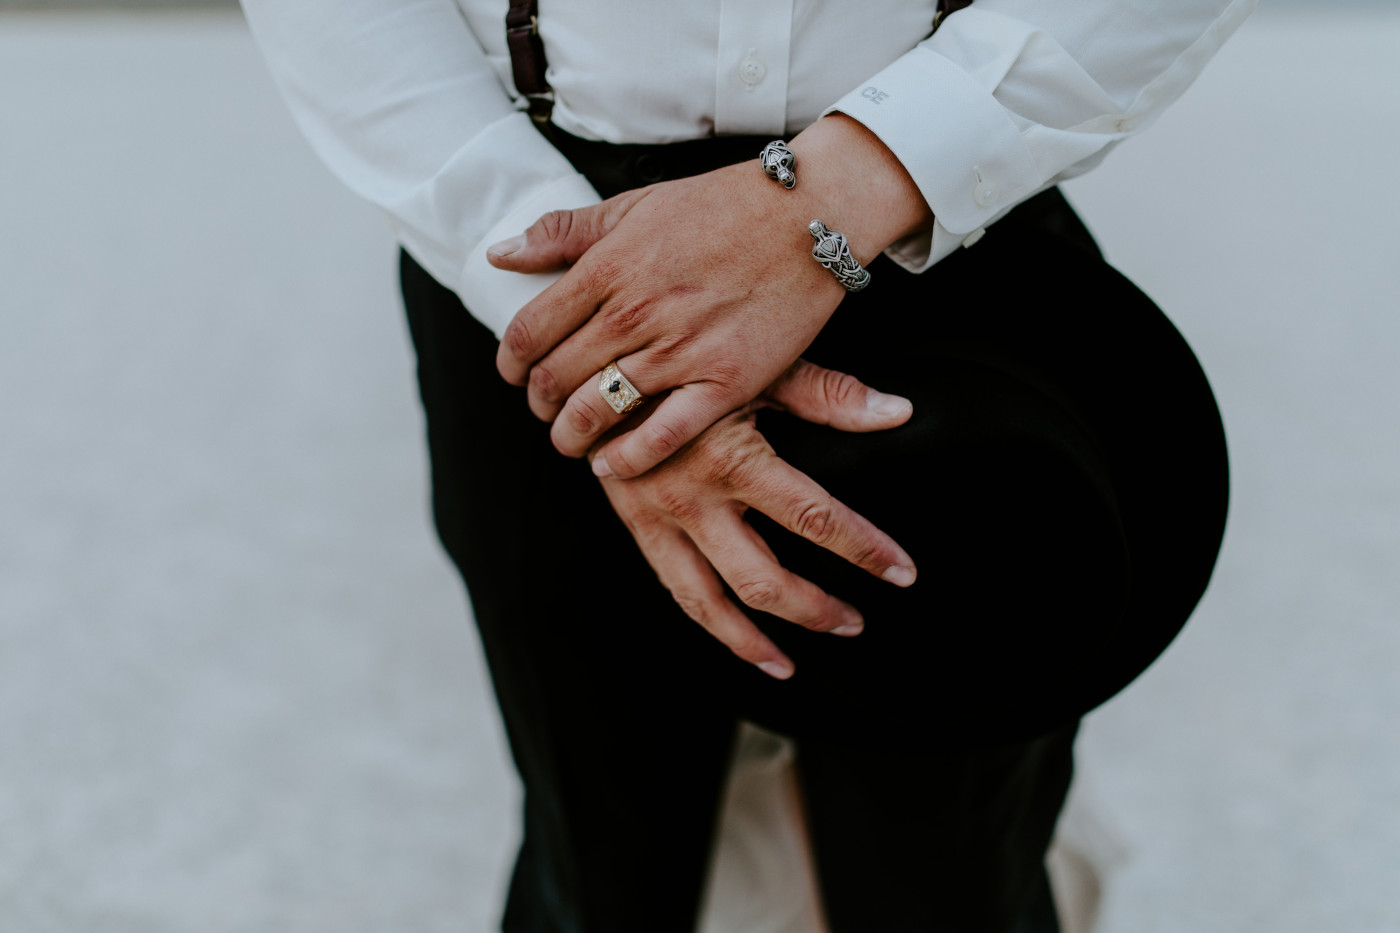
(620, 394)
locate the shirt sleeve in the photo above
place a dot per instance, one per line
(398, 98)
(1009, 97)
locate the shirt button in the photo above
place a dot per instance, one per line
(973, 238)
(984, 193)
(751, 69)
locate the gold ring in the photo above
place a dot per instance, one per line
(617, 391)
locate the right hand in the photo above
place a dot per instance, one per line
(703, 290)
(687, 517)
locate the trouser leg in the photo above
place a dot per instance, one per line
(921, 817)
(923, 839)
(588, 654)
(621, 741)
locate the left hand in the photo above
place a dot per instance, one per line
(687, 517)
(704, 288)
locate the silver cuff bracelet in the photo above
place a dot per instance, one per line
(779, 163)
(831, 251)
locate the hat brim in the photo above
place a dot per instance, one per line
(1063, 486)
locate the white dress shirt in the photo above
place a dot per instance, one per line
(411, 104)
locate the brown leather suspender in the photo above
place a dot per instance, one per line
(947, 7)
(528, 62)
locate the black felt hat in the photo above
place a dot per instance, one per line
(1062, 487)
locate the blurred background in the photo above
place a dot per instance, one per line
(239, 689)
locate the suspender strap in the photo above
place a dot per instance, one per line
(947, 7)
(527, 61)
(528, 64)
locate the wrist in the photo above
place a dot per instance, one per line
(850, 181)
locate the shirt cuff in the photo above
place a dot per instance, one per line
(959, 144)
(494, 295)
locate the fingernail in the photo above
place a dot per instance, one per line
(506, 247)
(846, 631)
(600, 467)
(899, 576)
(882, 404)
(776, 669)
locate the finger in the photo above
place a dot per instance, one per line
(547, 319)
(559, 238)
(747, 564)
(569, 303)
(609, 335)
(585, 417)
(695, 587)
(825, 396)
(574, 367)
(587, 414)
(675, 422)
(793, 500)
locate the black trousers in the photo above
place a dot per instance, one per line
(926, 813)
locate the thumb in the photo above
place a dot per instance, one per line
(824, 396)
(559, 238)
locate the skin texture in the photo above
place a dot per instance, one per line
(703, 289)
(687, 516)
(705, 292)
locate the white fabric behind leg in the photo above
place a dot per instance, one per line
(762, 878)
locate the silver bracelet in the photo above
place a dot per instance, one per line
(833, 253)
(779, 163)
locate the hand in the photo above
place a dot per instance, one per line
(702, 289)
(687, 517)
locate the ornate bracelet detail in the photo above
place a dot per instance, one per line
(833, 253)
(779, 163)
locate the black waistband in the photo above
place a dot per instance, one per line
(617, 167)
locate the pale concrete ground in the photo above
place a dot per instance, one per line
(237, 687)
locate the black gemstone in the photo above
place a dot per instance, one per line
(617, 384)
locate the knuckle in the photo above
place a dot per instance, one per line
(838, 389)
(622, 463)
(518, 340)
(556, 224)
(667, 349)
(759, 591)
(727, 467)
(686, 509)
(581, 418)
(545, 385)
(660, 439)
(750, 645)
(816, 521)
(816, 614)
(628, 317)
(603, 273)
(870, 554)
(692, 604)
(871, 560)
(726, 382)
